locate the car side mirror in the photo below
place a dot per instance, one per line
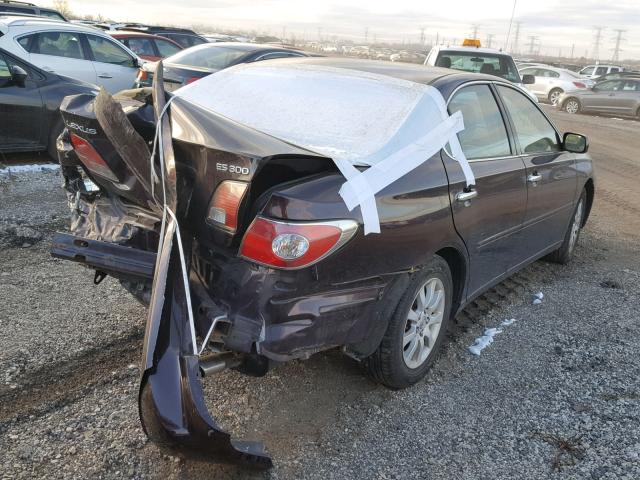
(575, 143)
(18, 75)
(528, 79)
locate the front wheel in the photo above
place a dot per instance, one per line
(565, 252)
(416, 329)
(572, 106)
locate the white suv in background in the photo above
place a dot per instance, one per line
(72, 50)
(594, 71)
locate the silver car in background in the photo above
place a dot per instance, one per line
(615, 97)
(552, 82)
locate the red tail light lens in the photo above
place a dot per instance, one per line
(191, 80)
(292, 245)
(224, 207)
(579, 84)
(91, 159)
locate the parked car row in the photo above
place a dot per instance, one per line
(607, 89)
(58, 58)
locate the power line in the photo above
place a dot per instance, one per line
(489, 39)
(516, 39)
(617, 49)
(533, 43)
(596, 43)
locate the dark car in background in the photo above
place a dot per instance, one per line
(26, 8)
(198, 62)
(613, 97)
(268, 262)
(146, 46)
(29, 101)
(182, 36)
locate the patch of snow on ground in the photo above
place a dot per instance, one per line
(484, 341)
(537, 298)
(29, 168)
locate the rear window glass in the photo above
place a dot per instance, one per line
(51, 14)
(207, 56)
(477, 62)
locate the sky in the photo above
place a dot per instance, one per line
(559, 25)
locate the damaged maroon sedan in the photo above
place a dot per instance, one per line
(269, 212)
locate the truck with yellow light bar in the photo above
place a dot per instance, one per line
(472, 57)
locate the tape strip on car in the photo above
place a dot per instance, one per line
(361, 187)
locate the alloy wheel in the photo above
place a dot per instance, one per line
(554, 96)
(572, 106)
(575, 227)
(423, 323)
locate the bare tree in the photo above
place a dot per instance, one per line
(63, 7)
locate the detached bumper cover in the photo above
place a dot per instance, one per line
(171, 400)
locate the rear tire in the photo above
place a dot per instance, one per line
(563, 254)
(572, 105)
(554, 95)
(416, 329)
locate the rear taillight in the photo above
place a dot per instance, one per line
(91, 158)
(292, 245)
(143, 75)
(579, 84)
(224, 207)
(191, 80)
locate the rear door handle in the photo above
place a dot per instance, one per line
(104, 75)
(534, 178)
(465, 197)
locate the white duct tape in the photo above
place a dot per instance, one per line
(361, 187)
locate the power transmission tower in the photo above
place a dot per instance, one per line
(573, 48)
(422, 35)
(489, 39)
(366, 34)
(474, 31)
(596, 43)
(617, 49)
(533, 43)
(320, 33)
(516, 39)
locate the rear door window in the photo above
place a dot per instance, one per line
(484, 134)
(107, 51)
(534, 132)
(56, 44)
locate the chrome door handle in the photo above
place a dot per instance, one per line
(104, 75)
(465, 197)
(534, 178)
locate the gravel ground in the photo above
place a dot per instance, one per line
(555, 395)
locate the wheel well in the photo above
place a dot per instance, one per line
(458, 267)
(568, 99)
(589, 188)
